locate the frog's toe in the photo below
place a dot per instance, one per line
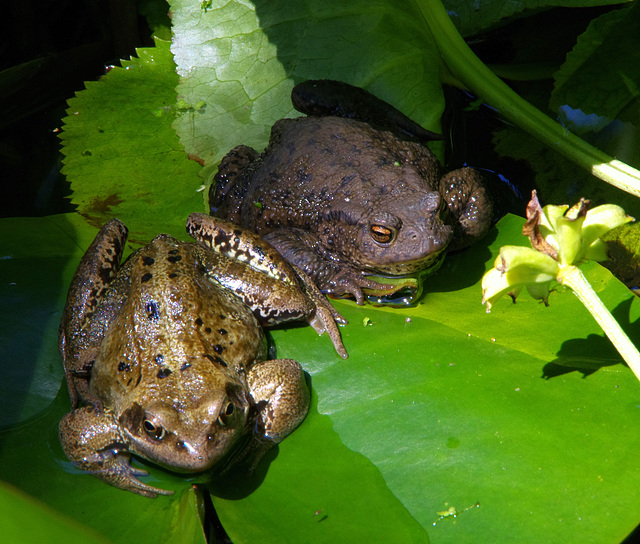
(118, 472)
(138, 472)
(324, 321)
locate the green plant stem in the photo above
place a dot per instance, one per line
(475, 76)
(572, 277)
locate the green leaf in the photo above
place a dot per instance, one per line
(478, 16)
(32, 373)
(17, 521)
(505, 417)
(238, 62)
(121, 154)
(453, 408)
(601, 74)
(329, 493)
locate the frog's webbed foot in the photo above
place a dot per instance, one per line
(92, 440)
(281, 395)
(325, 317)
(466, 195)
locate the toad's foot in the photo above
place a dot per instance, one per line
(350, 282)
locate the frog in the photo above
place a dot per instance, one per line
(165, 354)
(351, 192)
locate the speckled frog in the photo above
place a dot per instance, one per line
(351, 190)
(165, 355)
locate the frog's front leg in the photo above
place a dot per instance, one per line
(267, 283)
(78, 341)
(280, 391)
(92, 440)
(466, 195)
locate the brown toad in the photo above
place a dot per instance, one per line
(351, 190)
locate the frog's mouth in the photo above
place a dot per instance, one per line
(161, 435)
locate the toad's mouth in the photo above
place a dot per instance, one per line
(407, 284)
(427, 264)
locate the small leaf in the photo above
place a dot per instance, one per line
(601, 220)
(121, 155)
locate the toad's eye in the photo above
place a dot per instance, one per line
(223, 418)
(154, 431)
(381, 234)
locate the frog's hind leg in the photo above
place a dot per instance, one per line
(96, 271)
(275, 290)
(230, 240)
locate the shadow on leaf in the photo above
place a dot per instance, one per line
(587, 355)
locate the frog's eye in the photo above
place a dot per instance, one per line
(382, 234)
(223, 418)
(154, 431)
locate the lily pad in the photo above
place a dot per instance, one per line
(122, 157)
(505, 417)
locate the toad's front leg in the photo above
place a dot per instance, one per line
(92, 440)
(333, 277)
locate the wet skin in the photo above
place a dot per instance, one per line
(351, 191)
(165, 355)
